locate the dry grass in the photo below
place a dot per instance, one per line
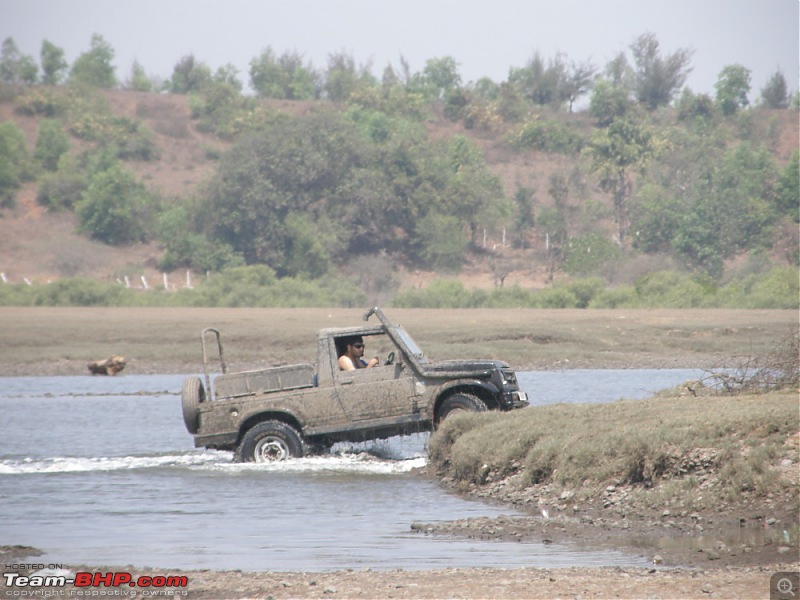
(45, 340)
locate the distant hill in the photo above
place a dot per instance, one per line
(39, 245)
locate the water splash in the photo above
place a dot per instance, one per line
(210, 460)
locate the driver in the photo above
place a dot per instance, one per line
(352, 357)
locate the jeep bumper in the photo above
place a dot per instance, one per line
(512, 400)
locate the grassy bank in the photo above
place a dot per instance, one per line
(60, 341)
(695, 453)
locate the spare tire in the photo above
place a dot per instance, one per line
(192, 395)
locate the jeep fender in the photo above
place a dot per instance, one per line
(484, 390)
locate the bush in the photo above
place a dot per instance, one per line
(63, 189)
(115, 208)
(51, 144)
(14, 162)
(591, 253)
(546, 135)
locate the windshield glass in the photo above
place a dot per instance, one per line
(409, 342)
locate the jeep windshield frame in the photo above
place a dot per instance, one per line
(411, 346)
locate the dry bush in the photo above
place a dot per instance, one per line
(779, 369)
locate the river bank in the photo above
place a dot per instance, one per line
(62, 341)
(729, 550)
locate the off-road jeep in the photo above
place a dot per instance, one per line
(281, 412)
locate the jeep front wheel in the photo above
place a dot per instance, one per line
(270, 441)
(459, 403)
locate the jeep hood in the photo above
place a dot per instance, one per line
(462, 368)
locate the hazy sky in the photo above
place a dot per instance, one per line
(485, 37)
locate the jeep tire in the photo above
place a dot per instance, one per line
(459, 403)
(192, 395)
(269, 441)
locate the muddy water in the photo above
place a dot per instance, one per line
(102, 471)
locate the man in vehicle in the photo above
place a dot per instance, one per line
(352, 357)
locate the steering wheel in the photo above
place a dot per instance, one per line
(389, 358)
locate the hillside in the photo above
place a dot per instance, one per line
(41, 246)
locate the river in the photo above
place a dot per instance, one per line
(99, 470)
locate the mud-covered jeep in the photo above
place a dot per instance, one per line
(281, 412)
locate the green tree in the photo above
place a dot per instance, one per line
(15, 67)
(732, 86)
(139, 81)
(524, 217)
(445, 242)
(295, 165)
(343, 78)
(775, 94)
(94, 67)
(787, 189)
(439, 78)
(51, 144)
(657, 79)
(189, 75)
(284, 76)
(539, 81)
(185, 247)
(616, 153)
(115, 208)
(14, 166)
(578, 82)
(62, 190)
(54, 65)
(698, 239)
(609, 102)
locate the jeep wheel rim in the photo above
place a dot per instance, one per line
(271, 449)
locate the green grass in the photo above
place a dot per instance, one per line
(707, 449)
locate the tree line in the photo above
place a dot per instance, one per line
(683, 175)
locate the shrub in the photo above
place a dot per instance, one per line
(63, 189)
(51, 144)
(546, 135)
(114, 208)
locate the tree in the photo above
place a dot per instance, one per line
(657, 79)
(13, 161)
(444, 243)
(283, 76)
(775, 94)
(787, 188)
(524, 219)
(439, 77)
(16, 68)
(139, 81)
(343, 78)
(615, 153)
(732, 86)
(51, 144)
(578, 82)
(54, 65)
(115, 208)
(294, 166)
(189, 75)
(94, 67)
(541, 83)
(608, 102)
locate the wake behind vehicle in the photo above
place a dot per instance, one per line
(282, 412)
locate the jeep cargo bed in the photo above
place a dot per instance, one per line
(246, 383)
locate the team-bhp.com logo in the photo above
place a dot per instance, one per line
(50, 583)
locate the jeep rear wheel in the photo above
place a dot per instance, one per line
(192, 395)
(458, 403)
(270, 441)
